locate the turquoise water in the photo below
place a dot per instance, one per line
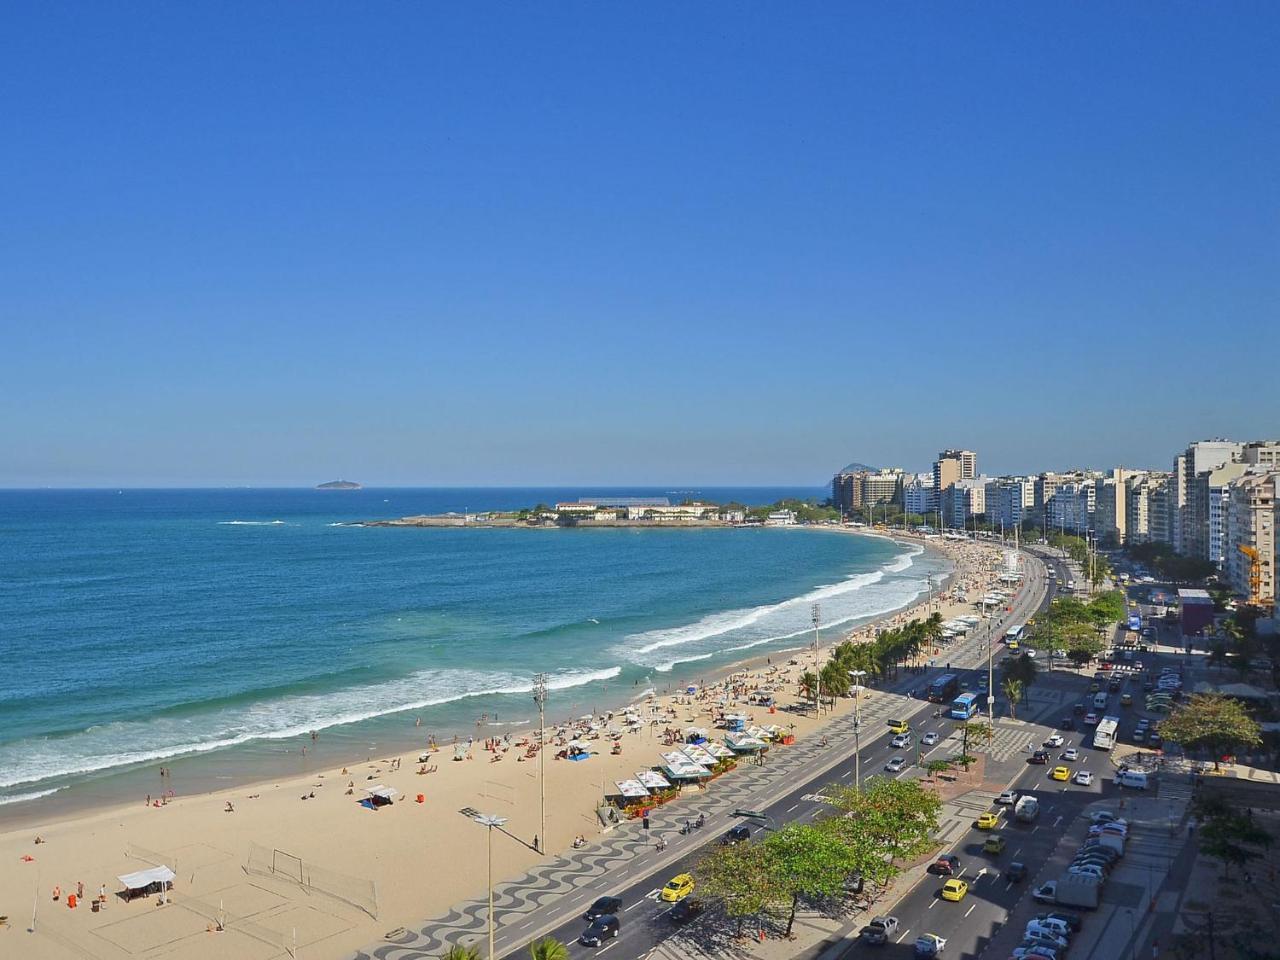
(147, 626)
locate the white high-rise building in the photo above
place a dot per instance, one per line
(1189, 522)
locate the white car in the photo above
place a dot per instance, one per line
(900, 741)
(1008, 797)
(1087, 870)
(1110, 829)
(1106, 816)
(1084, 778)
(895, 764)
(1048, 934)
(1055, 741)
(1071, 753)
(929, 739)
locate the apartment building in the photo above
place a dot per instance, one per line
(883, 486)
(1008, 500)
(1146, 507)
(1212, 495)
(1251, 524)
(1111, 505)
(963, 500)
(919, 495)
(1262, 453)
(1071, 506)
(1188, 516)
(953, 465)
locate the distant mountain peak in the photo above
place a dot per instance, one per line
(856, 467)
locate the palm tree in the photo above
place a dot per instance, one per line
(460, 952)
(548, 948)
(809, 684)
(835, 680)
(1013, 690)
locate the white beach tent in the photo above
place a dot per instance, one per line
(145, 878)
(744, 743)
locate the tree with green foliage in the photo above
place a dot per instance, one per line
(804, 860)
(809, 682)
(461, 952)
(886, 822)
(1227, 834)
(736, 878)
(835, 680)
(936, 767)
(548, 948)
(1021, 668)
(1216, 722)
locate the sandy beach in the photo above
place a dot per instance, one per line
(422, 856)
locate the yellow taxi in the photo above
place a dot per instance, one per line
(988, 821)
(678, 888)
(954, 890)
(1060, 773)
(898, 726)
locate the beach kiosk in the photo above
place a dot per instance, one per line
(745, 743)
(699, 755)
(681, 769)
(653, 780)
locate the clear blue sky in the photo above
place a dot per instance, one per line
(276, 243)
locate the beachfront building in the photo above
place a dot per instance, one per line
(1008, 501)
(919, 495)
(1250, 549)
(1071, 506)
(1046, 485)
(780, 518)
(846, 487)
(733, 515)
(1188, 515)
(673, 511)
(882, 486)
(953, 465)
(963, 500)
(577, 509)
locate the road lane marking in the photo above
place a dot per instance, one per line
(904, 935)
(633, 906)
(933, 904)
(792, 807)
(966, 913)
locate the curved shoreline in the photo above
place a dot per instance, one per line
(391, 848)
(255, 762)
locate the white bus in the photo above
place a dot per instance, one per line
(1104, 735)
(1014, 633)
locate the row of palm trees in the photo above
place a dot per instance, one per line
(548, 948)
(880, 658)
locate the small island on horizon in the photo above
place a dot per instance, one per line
(339, 485)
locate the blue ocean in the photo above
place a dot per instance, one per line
(213, 630)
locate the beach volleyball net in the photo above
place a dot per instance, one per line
(270, 862)
(220, 919)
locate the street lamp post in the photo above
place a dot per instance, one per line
(540, 698)
(857, 728)
(816, 611)
(485, 820)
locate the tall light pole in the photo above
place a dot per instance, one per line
(857, 728)
(816, 611)
(485, 820)
(540, 698)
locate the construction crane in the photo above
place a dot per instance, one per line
(1255, 577)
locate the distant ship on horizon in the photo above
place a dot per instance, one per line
(339, 485)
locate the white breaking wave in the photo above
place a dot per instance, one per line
(859, 597)
(129, 742)
(253, 523)
(24, 797)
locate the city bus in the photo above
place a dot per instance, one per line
(944, 688)
(1104, 735)
(964, 706)
(1014, 634)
